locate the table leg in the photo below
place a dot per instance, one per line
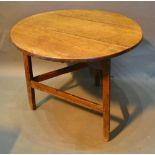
(29, 76)
(106, 100)
(97, 78)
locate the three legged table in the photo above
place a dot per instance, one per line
(80, 37)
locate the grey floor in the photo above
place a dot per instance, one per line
(59, 127)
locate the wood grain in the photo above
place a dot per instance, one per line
(76, 35)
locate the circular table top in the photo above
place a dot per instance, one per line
(76, 35)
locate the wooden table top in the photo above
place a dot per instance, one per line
(76, 35)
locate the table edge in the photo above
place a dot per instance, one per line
(78, 60)
(84, 59)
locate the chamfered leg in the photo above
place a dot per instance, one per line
(29, 76)
(106, 99)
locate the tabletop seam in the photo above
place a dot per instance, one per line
(121, 26)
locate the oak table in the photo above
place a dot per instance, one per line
(80, 37)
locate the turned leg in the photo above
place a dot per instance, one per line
(29, 76)
(106, 100)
